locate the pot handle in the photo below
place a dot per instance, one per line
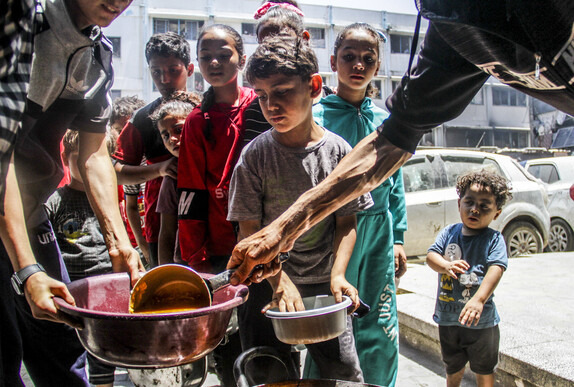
(64, 316)
(361, 311)
(222, 279)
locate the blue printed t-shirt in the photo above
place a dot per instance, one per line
(480, 252)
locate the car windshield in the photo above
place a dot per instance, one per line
(459, 165)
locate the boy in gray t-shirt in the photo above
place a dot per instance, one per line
(272, 172)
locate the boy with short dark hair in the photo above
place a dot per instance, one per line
(471, 258)
(273, 170)
(169, 59)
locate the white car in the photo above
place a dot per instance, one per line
(432, 202)
(558, 174)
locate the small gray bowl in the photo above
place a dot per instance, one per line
(322, 320)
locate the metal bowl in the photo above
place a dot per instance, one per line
(120, 338)
(323, 319)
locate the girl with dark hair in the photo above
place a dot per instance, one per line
(210, 145)
(353, 115)
(211, 142)
(281, 18)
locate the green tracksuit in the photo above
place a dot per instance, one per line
(371, 268)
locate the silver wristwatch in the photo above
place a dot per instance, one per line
(19, 278)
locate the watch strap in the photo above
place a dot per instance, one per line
(25, 273)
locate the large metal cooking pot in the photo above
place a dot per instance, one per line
(120, 338)
(323, 319)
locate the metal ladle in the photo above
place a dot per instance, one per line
(175, 288)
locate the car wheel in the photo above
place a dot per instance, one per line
(522, 238)
(560, 238)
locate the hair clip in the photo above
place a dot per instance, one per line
(382, 36)
(268, 5)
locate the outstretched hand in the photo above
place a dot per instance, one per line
(286, 297)
(169, 167)
(471, 312)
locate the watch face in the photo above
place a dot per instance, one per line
(17, 285)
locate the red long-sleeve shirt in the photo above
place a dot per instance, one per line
(204, 171)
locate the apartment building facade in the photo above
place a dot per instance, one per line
(498, 115)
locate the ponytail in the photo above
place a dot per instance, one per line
(206, 103)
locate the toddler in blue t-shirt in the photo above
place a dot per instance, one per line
(470, 258)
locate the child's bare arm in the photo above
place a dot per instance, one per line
(473, 308)
(167, 238)
(101, 187)
(134, 219)
(345, 237)
(285, 294)
(441, 265)
(137, 174)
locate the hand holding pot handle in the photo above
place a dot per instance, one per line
(222, 279)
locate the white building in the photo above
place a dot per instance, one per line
(498, 115)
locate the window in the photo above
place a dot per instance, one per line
(117, 43)
(395, 84)
(545, 172)
(511, 138)
(478, 99)
(317, 37)
(505, 96)
(249, 32)
(187, 28)
(401, 44)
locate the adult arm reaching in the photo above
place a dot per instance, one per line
(466, 42)
(100, 179)
(372, 161)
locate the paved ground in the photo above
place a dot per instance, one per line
(536, 305)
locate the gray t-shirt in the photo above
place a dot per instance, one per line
(269, 177)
